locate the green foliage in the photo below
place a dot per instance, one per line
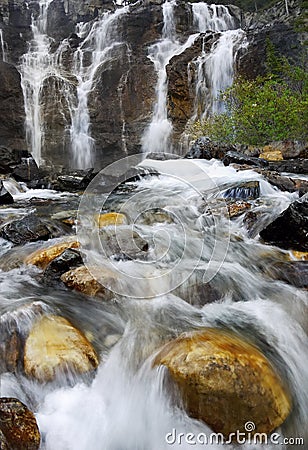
(270, 108)
(219, 127)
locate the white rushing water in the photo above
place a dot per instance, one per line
(99, 41)
(156, 137)
(215, 68)
(126, 404)
(36, 65)
(3, 46)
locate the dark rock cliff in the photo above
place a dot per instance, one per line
(121, 103)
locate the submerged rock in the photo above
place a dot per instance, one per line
(5, 197)
(226, 381)
(82, 280)
(42, 257)
(55, 346)
(123, 243)
(235, 209)
(112, 218)
(291, 272)
(18, 427)
(290, 229)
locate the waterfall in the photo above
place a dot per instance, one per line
(215, 18)
(2, 43)
(215, 69)
(100, 43)
(157, 135)
(36, 66)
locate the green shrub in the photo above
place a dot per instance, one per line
(270, 108)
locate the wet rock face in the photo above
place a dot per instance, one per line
(122, 100)
(18, 427)
(12, 114)
(290, 229)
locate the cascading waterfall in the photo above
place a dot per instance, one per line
(215, 69)
(157, 135)
(36, 66)
(100, 44)
(2, 43)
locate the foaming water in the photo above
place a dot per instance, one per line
(3, 46)
(127, 403)
(215, 68)
(100, 44)
(156, 137)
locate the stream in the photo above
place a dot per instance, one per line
(196, 254)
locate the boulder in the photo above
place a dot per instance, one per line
(154, 216)
(9, 159)
(270, 154)
(290, 229)
(204, 148)
(232, 157)
(18, 426)
(30, 229)
(55, 346)
(27, 170)
(82, 280)
(290, 149)
(285, 183)
(226, 381)
(299, 166)
(42, 257)
(5, 197)
(69, 259)
(74, 181)
(112, 218)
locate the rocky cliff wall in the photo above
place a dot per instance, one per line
(122, 100)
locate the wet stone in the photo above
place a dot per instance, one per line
(290, 229)
(18, 426)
